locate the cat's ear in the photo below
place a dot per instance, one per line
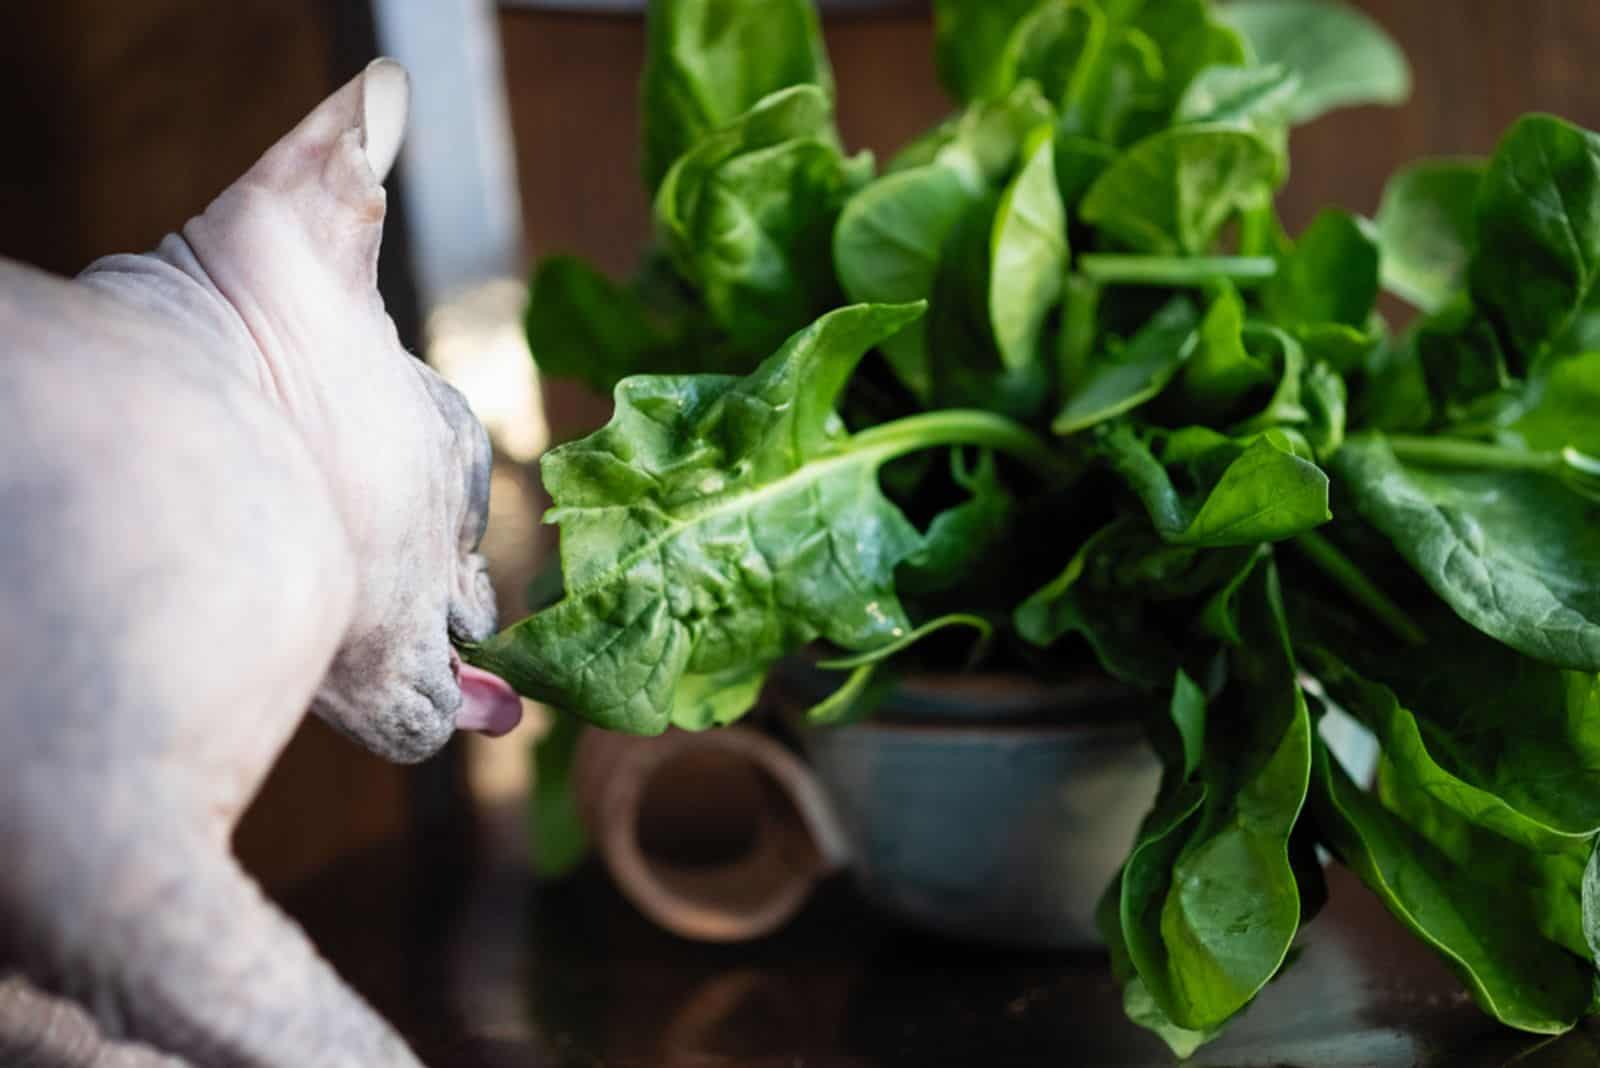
(348, 143)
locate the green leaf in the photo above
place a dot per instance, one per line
(1538, 239)
(1544, 886)
(1029, 257)
(1591, 902)
(970, 39)
(715, 522)
(709, 61)
(718, 698)
(1516, 750)
(1331, 275)
(1188, 714)
(1256, 98)
(1078, 333)
(1056, 46)
(887, 247)
(1283, 355)
(992, 138)
(1137, 1004)
(1119, 382)
(1509, 551)
(1222, 369)
(1096, 596)
(965, 368)
(1342, 58)
(559, 842)
(748, 214)
(1210, 902)
(582, 325)
(1426, 226)
(1464, 368)
(1516, 976)
(1171, 192)
(1324, 394)
(960, 538)
(1188, 38)
(1251, 490)
(1079, 161)
(1563, 412)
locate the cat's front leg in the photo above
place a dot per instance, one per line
(180, 952)
(41, 1031)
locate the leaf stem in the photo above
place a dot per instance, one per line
(1108, 267)
(1480, 455)
(959, 426)
(1338, 567)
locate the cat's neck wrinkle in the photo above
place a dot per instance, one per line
(172, 283)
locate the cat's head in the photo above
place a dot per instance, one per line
(293, 247)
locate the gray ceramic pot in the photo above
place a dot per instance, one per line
(998, 810)
(992, 810)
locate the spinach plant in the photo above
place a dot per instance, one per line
(1064, 329)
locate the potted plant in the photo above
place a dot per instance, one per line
(1053, 382)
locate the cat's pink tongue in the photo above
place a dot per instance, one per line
(488, 703)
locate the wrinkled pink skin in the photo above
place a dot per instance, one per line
(227, 495)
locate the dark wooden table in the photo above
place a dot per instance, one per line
(484, 970)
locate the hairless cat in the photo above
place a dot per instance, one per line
(227, 495)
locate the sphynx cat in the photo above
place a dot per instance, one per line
(227, 496)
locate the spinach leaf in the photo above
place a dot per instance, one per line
(748, 213)
(1079, 161)
(1538, 248)
(1137, 1004)
(1096, 598)
(1119, 382)
(1562, 412)
(715, 522)
(960, 538)
(1340, 55)
(965, 365)
(1245, 491)
(1544, 886)
(1283, 354)
(1055, 46)
(1188, 39)
(970, 38)
(582, 325)
(1509, 551)
(709, 61)
(1510, 745)
(1330, 276)
(1256, 98)
(887, 247)
(1210, 902)
(1171, 192)
(1426, 227)
(1468, 377)
(1516, 976)
(1325, 405)
(1029, 257)
(717, 698)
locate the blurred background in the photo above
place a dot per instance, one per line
(123, 119)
